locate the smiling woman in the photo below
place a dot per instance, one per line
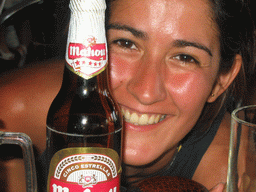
(174, 68)
(171, 68)
(161, 67)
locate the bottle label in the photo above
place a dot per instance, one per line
(84, 170)
(87, 60)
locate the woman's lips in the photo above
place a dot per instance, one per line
(141, 119)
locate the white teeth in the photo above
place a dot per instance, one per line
(144, 119)
(134, 118)
(151, 119)
(157, 118)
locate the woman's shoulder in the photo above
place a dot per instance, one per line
(213, 166)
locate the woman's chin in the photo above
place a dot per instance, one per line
(131, 158)
(138, 150)
(143, 156)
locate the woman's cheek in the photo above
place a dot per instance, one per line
(193, 88)
(115, 72)
(121, 70)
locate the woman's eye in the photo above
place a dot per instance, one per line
(124, 43)
(185, 59)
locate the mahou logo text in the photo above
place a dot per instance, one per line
(90, 50)
(94, 52)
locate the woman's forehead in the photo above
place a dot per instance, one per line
(177, 18)
(167, 10)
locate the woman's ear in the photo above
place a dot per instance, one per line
(224, 80)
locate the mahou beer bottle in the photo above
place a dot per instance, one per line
(84, 125)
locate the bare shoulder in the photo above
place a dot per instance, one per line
(26, 95)
(213, 166)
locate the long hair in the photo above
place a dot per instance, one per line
(236, 36)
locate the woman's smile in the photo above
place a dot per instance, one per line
(136, 118)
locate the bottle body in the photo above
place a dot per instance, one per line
(84, 124)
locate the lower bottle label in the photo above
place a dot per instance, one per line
(85, 170)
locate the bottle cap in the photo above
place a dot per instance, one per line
(87, 5)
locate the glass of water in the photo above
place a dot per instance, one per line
(242, 150)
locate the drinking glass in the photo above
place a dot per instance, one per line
(25, 143)
(242, 150)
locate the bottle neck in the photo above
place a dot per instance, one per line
(79, 85)
(86, 53)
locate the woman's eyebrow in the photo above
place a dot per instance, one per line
(184, 43)
(140, 34)
(137, 33)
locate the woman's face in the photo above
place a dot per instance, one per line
(164, 59)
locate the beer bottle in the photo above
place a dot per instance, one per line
(84, 124)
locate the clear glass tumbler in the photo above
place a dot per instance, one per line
(25, 143)
(242, 150)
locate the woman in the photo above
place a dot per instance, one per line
(174, 65)
(165, 64)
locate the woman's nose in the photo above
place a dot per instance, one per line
(147, 84)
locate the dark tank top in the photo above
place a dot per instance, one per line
(192, 151)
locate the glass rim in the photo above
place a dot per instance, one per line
(237, 110)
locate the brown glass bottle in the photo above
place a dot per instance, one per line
(84, 124)
(81, 100)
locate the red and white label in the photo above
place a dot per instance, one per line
(84, 172)
(95, 52)
(87, 59)
(60, 186)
